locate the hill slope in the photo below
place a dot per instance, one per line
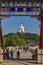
(15, 39)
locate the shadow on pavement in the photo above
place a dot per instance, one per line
(24, 61)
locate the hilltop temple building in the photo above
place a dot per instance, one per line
(21, 29)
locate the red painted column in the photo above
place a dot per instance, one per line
(1, 40)
(41, 33)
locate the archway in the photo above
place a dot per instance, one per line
(12, 9)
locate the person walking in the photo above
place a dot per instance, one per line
(18, 54)
(11, 53)
(7, 53)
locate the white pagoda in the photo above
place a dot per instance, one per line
(21, 29)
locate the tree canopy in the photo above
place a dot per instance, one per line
(17, 39)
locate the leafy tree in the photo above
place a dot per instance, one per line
(15, 39)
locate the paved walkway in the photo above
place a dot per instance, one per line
(25, 59)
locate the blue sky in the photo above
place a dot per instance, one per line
(12, 24)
